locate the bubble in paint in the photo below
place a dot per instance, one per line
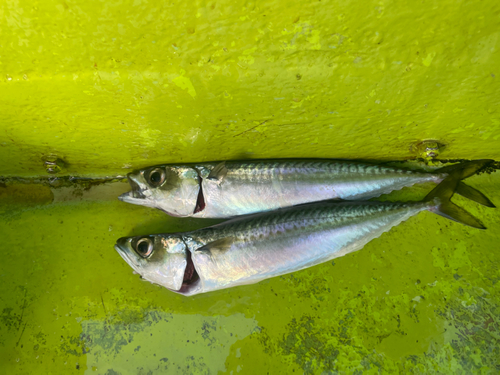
(53, 164)
(428, 149)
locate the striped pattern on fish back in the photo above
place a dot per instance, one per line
(268, 168)
(299, 220)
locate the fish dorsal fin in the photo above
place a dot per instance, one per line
(218, 246)
(218, 173)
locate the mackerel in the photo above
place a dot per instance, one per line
(249, 249)
(233, 188)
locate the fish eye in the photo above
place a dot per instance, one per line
(144, 247)
(157, 177)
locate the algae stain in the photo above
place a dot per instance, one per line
(438, 260)
(470, 331)
(161, 341)
(419, 335)
(460, 256)
(185, 83)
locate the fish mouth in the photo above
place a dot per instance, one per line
(132, 196)
(135, 194)
(126, 254)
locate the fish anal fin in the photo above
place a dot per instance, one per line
(219, 172)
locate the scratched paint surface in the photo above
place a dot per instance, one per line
(104, 87)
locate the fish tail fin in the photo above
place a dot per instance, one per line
(466, 169)
(443, 206)
(475, 195)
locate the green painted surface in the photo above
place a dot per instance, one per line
(423, 297)
(117, 84)
(103, 87)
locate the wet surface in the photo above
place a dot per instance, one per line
(422, 297)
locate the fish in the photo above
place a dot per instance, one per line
(233, 188)
(249, 249)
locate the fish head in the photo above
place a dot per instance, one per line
(160, 259)
(173, 189)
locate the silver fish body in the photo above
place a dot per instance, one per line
(250, 251)
(248, 187)
(247, 250)
(236, 188)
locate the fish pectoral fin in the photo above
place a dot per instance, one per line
(216, 247)
(218, 173)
